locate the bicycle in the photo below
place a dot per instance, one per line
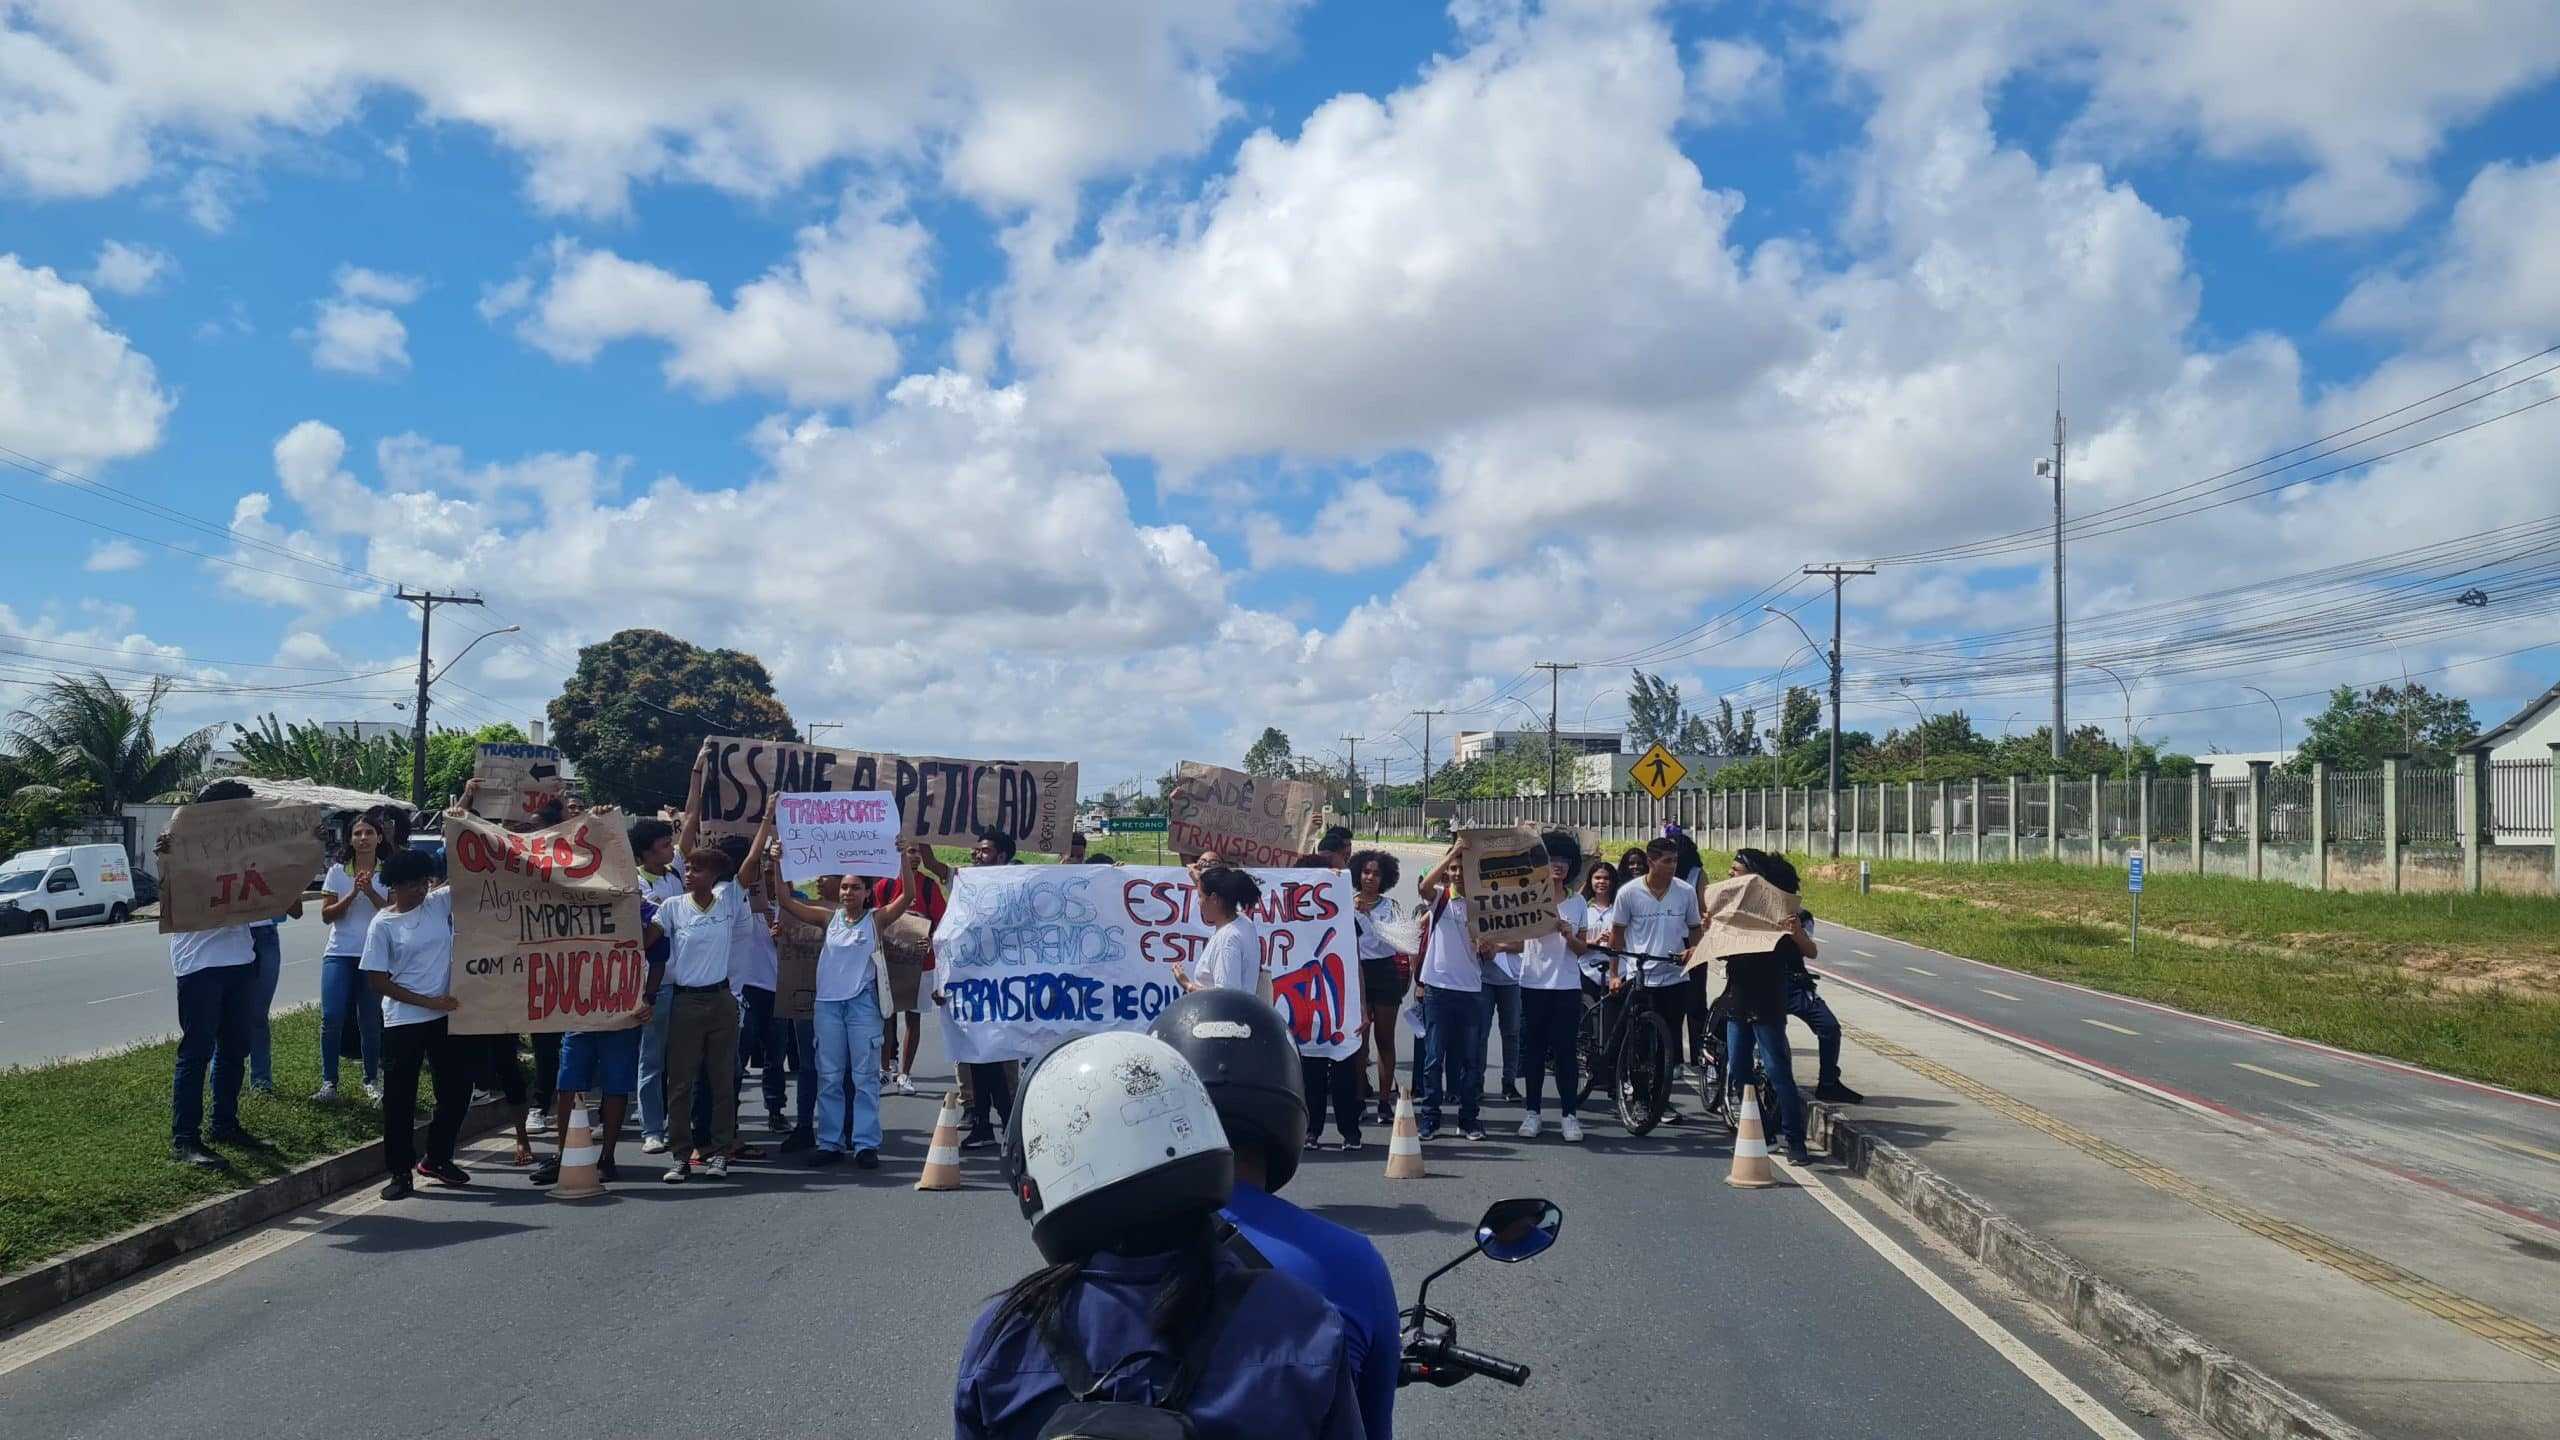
(1630, 1052)
(1714, 1093)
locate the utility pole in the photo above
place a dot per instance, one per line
(426, 601)
(2054, 467)
(1555, 683)
(1351, 774)
(1838, 575)
(1426, 764)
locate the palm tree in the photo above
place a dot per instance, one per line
(87, 730)
(305, 751)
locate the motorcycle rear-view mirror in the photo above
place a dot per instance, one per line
(1515, 1230)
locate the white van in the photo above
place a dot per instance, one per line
(66, 885)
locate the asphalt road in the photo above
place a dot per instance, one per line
(2492, 1146)
(77, 992)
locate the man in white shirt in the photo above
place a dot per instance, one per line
(408, 961)
(1456, 1011)
(700, 927)
(1656, 917)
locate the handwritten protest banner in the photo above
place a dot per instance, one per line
(795, 968)
(1511, 895)
(941, 801)
(516, 781)
(1247, 819)
(1745, 915)
(232, 862)
(546, 926)
(847, 832)
(1029, 955)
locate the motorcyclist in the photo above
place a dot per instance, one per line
(1242, 1051)
(1121, 1165)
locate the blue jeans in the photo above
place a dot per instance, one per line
(757, 1033)
(1455, 1022)
(849, 1054)
(653, 1064)
(342, 991)
(1506, 1015)
(800, 1037)
(214, 1011)
(265, 968)
(1805, 1005)
(1775, 1062)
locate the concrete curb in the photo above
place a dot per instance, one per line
(86, 1271)
(2224, 1391)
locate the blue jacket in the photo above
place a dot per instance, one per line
(1279, 1366)
(1352, 1276)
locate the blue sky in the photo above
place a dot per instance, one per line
(1117, 389)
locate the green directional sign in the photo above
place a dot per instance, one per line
(1135, 825)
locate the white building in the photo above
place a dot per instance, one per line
(2519, 790)
(2529, 733)
(2236, 766)
(1476, 744)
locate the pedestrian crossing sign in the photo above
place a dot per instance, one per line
(1659, 771)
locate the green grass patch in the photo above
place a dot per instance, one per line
(2070, 924)
(87, 1141)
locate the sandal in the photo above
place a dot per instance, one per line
(524, 1154)
(743, 1151)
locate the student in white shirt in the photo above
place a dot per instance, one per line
(216, 973)
(1384, 972)
(353, 892)
(1551, 993)
(653, 844)
(1456, 1011)
(408, 960)
(700, 927)
(846, 1015)
(1232, 960)
(1656, 917)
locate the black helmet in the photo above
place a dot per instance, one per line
(1242, 1051)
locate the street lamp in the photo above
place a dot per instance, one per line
(1914, 704)
(2128, 712)
(1594, 700)
(1831, 771)
(2272, 705)
(466, 649)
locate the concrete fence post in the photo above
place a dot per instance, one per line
(2017, 785)
(2142, 808)
(1857, 815)
(2471, 809)
(2097, 821)
(2319, 824)
(1884, 814)
(1976, 826)
(1911, 819)
(2197, 792)
(2053, 817)
(2553, 781)
(2258, 818)
(1946, 818)
(2391, 818)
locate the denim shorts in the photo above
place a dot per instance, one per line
(600, 1062)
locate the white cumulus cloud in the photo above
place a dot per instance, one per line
(72, 390)
(123, 269)
(355, 331)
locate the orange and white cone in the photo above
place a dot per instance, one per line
(579, 1153)
(1404, 1147)
(1751, 1168)
(942, 1157)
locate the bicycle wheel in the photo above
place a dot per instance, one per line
(1711, 1077)
(1644, 1073)
(1590, 1043)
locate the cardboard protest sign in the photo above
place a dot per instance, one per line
(1511, 895)
(941, 801)
(232, 862)
(851, 832)
(1247, 819)
(516, 782)
(1029, 955)
(1745, 915)
(546, 926)
(795, 967)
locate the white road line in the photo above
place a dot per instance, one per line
(1999, 994)
(40, 959)
(2275, 1075)
(132, 995)
(1870, 954)
(2083, 1407)
(2103, 1025)
(157, 1287)
(1916, 970)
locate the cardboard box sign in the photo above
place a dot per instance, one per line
(1247, 819)
(547, 934)
(941, 800)
(1511, 894)
(236, 862)
(517, 782)
(1745, 915)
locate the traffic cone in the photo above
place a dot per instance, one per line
(578, 1155)
(942, 1157)
(1404, 1148)
(1751, 1168)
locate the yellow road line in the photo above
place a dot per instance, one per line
(2103, 1025)
(2275, 1074)
(2511, 1332)
(2518, 1146)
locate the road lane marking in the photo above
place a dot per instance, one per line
(2509, 1331)
(1916, 970)
(40, 959)
(2083, 1407)
(1999, 994)
(2103, 1025)
(2521, 1148)
(1870, 954)
(2275, 1075)
(133, 995)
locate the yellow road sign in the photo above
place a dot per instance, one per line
(1659, 771)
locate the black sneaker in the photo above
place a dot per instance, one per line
(546, 1173)
(1837, 1093)
(400, 1188)
(607, 1172)
(978, 1140)
(190, 1152)
(1511, 1094)
(795, 1142)
(866, 1158)
(446, 1173)
(234, 1135)
(825, 1158)
(1797, 1154)
(1475, 1132)
(1314, 1144)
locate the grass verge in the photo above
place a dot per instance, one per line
(2356, 997)
(87, 1141)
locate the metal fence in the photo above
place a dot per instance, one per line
(2520, 798)
(2427, 805)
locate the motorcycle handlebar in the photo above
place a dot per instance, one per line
(1491, 1366)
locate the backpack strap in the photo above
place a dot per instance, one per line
(1229, 1297)
(1067, 1355)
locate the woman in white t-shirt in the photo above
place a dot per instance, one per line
(847, 1015)
(408, 960)
(354, 894)
(1551, 994)
(1232, 960)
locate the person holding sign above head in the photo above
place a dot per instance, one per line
(216, 971)
(1551, 992)
(1232, 960)
(1456, 1013)
(847, 1016)
(653, 846)
(986, 1088)
(408, 960)
(701, 929)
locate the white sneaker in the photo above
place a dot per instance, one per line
(373, 1092)
(654, 1145)
(1529, 1127)
(327, 1092)
(1573, 1129)
(538, 1123)
(905, 1085)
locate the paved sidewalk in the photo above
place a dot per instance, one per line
(2400, 1308)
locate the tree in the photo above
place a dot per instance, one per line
(305, 750)
(453, 754)
(87, 733)
(1270, 755)
(1724, 737)
(2356, 731)
(635, 714)
(1798, 717)
(1655, 716)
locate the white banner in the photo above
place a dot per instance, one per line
(1030, 955)
(837, 832)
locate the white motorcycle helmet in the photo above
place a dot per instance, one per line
(1113, 1133)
